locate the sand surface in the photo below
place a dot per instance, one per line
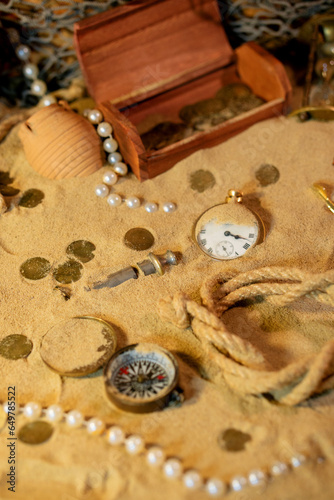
(73, 465)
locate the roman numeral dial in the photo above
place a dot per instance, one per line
(228, 231)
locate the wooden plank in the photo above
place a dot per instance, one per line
(126, 134)
(263, 73)
(130, 54)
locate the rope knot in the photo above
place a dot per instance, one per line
(174, 310)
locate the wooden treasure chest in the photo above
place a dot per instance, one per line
(146, 63)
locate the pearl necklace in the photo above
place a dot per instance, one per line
(30, 71)
(155, 456)
(119, 168)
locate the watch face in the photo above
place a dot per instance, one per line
(226, 241)
(227, 231)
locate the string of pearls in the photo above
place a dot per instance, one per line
(155, 456)
(118, 168)
(30, 71)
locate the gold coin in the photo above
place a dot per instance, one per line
(31, 198)
(15, 347)
(78, 346)
(79, 105)
(69, 272)
(35, 432)
(138, 238)
(233, 440)
(267, 174)
(35, 268)
(164, 134)
(232, 91)
(82, 250)
(9, 191)
(201, 180)
(5, 178)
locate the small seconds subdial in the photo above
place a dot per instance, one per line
(224, 248)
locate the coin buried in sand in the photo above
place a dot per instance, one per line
(35, 268)
(138, 238)
(201, 180)
(31, 198)
(81, 250)
(9, 191)
(267, 174)
(79, 346)
(15, 347)
(69, 272)
(35, 432)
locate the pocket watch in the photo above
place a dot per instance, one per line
(229, 230)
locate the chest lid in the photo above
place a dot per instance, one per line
(141, 49)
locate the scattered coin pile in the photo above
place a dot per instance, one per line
(230, 101)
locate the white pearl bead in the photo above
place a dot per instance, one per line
(120, 168)
(95, 426)
(192, 480)
(151, 207)
(169, 207)
(104, 129)
(134, 444)
(172, 468)
(115, 158)
(279, 468)
(238, 483)
(38, 87)
(115, 435)
(54, 413)
(95, 116)
(32, 410)
(85, 112)
(30, 71)
(298, 460)
(110, 178)
(110, 145)
(132, 202)
(215, 487)
(114, 200)
(101, 190)
(47, 100)
(23, 52)
(256, 477)
(5, 407)
(155, 456)
(74, 419)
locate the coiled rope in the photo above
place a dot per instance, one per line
(245, 368)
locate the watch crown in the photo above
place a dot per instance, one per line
(234, 196)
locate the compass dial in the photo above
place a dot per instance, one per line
(140, 377)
